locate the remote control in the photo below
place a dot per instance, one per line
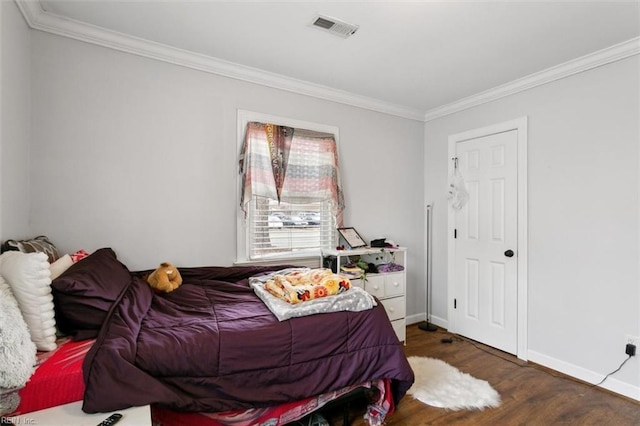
(111, 420)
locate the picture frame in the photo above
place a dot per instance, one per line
(351, 237)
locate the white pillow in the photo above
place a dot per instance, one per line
(29, 277)
(17, 351)
(60, 265)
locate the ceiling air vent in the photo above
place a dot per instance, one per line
(335, 26)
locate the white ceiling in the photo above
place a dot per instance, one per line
(419, 55)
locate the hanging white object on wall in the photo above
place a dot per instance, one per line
(458, 195)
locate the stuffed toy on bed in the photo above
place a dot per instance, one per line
(165, 278)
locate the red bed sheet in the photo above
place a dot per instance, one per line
(58, 378)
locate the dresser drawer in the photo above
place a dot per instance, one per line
(394, 284)
(395, 307)
(375, 285)
(387, 285)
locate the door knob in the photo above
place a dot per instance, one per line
(509, 253)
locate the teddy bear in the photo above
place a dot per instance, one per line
(165, 278)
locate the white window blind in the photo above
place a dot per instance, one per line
(277, 229)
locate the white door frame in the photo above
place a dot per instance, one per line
(520, 125)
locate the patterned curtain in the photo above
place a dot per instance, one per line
(290, 165)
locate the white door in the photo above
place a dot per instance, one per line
(485, 281)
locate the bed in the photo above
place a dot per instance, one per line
(213, 346)
(57, 380)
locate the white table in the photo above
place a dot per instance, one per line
(72, 415)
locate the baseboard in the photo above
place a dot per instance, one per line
(416, 318)
(612, 384)
(440, 322)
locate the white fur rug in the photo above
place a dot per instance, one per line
(440, 385)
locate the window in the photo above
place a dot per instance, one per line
(291, 201)
(278, 229)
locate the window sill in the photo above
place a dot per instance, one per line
(308, 260)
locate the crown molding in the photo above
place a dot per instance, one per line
(575, 66)
(39, 19)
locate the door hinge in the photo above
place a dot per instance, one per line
(455, 304)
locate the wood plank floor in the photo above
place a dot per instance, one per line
(531, 394)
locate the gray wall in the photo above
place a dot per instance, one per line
(141, 155)
(14, 122)
(583, 188)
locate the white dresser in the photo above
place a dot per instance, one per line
(389, 287)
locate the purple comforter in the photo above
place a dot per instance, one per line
(212, 345)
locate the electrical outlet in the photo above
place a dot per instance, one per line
(632, 340)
